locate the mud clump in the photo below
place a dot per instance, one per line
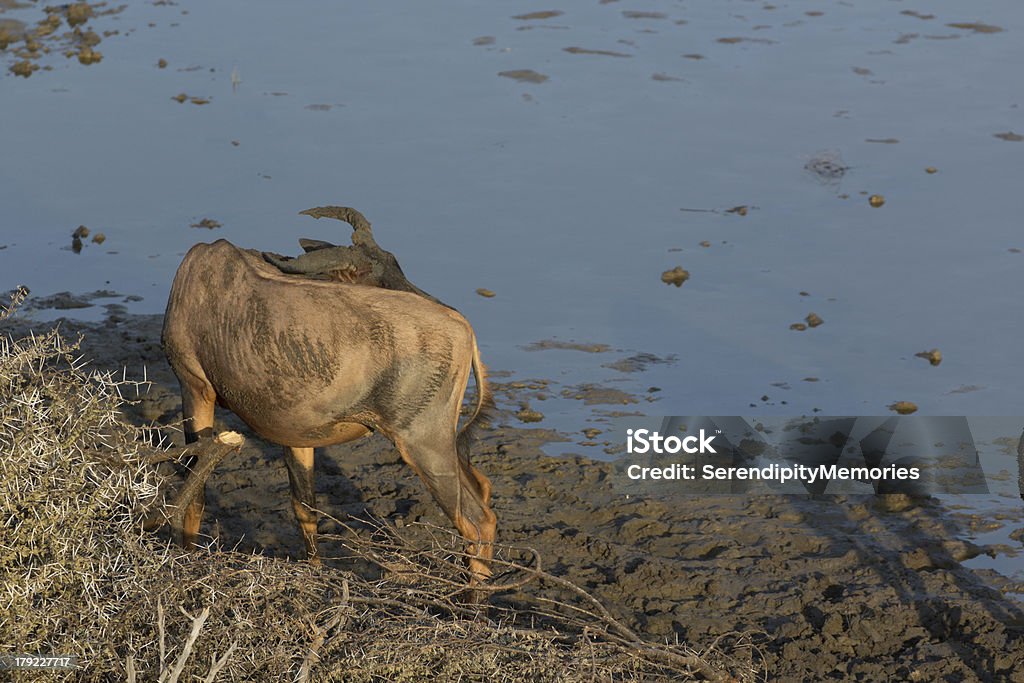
(733, 40)
(903, 407)
(585, 51)
(543, 14)
(934, 356)
(631, 14)
(89, 56)
(524, 75)
(24, 68)
(677, 276)
(527, 414)
(46, 38)
(640, 361)
(80, 233)
(486, 293)
(812, 320)
(182, 98)
(78, 13)
(10, 31)
(207, 223)
(876, 200)
(976, 27)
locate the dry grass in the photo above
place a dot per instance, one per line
(78, 576)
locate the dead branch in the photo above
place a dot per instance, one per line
(208, 454)
(320, 634)
(163, 632)
(179, 666)
(217, 664)
(590, 617)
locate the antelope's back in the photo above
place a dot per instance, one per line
(280, 349)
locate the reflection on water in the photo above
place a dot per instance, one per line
(555, 158)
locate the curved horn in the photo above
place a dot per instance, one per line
(361, 232)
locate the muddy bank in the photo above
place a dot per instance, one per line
(830, 588)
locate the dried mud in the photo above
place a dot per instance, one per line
(846, 588)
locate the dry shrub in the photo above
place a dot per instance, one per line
(71, 477)
(80, 577)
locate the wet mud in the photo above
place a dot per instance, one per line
(848, 588)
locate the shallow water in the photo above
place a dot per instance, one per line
(566, 195)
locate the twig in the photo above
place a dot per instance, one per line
(186, 651)
(160, 628)
(320, 634)
(611, 630)
(217, 664)
(18, 296)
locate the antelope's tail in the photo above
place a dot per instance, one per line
(482, 411)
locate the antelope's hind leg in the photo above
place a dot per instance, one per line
(300, 475)
(461, 490)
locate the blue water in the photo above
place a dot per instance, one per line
(564, 197)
